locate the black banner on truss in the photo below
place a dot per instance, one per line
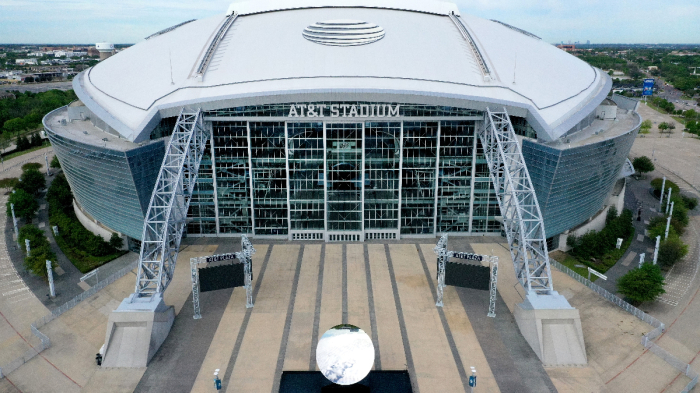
(467, 276)
(221, 277)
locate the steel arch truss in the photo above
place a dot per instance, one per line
(522, 218)
(167, 211)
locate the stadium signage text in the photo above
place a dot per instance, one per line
(467, 256)
(343, 110)
(220, 257)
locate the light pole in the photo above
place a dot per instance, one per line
(49, 271)
(641, 259)
(656, 249)
(663, 188)
(668, 222)
(668, 200)
(14, 220)
(48, 169)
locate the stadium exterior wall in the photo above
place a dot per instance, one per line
(573, 184)
(114, 187)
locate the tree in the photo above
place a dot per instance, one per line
(9, 182)
(663, 127)
(22, 143)
(4, 142)
(643, 164)
(32, 181)
(35, 140)
(54, 163)
(25, 205)
(642, 284)
(40, 250)
(671, 251)
(645, 127)
(116, 241)
(15, 125)
(31, 165)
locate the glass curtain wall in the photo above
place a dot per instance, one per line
(485, 202)
(202, 212)
(420, 140)
(344, 169)
(232, 177)
(306, 176)
(269, 166)
(416, 178)
(454, 185)
(382, 163)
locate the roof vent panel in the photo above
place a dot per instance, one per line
(343, 32)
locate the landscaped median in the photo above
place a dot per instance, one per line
(83, 248)
(597, 250)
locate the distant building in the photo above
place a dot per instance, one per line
(567, 47)
(93, 52)
(653, 68)
(588, 42)
(26, 62)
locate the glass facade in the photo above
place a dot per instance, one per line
(573, 184)
(114, 187)
(310, 178)
(331, 176)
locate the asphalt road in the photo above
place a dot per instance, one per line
(38, 87)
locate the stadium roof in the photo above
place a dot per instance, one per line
(424, 57)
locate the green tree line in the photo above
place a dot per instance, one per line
(27, 109)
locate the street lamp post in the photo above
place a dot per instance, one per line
(663, 188)
(656, 249)
(49, 271)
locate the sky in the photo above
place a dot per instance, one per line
(129, 21)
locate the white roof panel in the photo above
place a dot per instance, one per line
(422, 54)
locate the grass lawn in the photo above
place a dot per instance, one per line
(572, 263)
(19, 153)
(83, 261)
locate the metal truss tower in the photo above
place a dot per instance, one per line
(167, 211)
(522, 218)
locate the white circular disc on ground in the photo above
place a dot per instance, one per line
(345, 354)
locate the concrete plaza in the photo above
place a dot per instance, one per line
(300, 290)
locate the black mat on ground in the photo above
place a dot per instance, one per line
(467, 276)
(221, 277)
(375, 382)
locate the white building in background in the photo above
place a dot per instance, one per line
(26, 61)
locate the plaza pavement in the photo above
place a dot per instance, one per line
(253, 346)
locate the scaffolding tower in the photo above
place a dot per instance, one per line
(167, 210)
(522, 218)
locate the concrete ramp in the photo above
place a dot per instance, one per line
(561, 342)
(135, 331)
(553, 329)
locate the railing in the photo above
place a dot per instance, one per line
(215, 44)
(45, 341)
(475, 49)
(169, 29)
(646, 341)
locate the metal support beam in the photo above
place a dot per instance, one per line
(247, 255)
(522, 218)
(492, 286)
(167, 211)
(442, 254)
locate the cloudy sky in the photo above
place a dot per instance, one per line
(128, 21)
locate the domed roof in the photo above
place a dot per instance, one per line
(409, 51)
